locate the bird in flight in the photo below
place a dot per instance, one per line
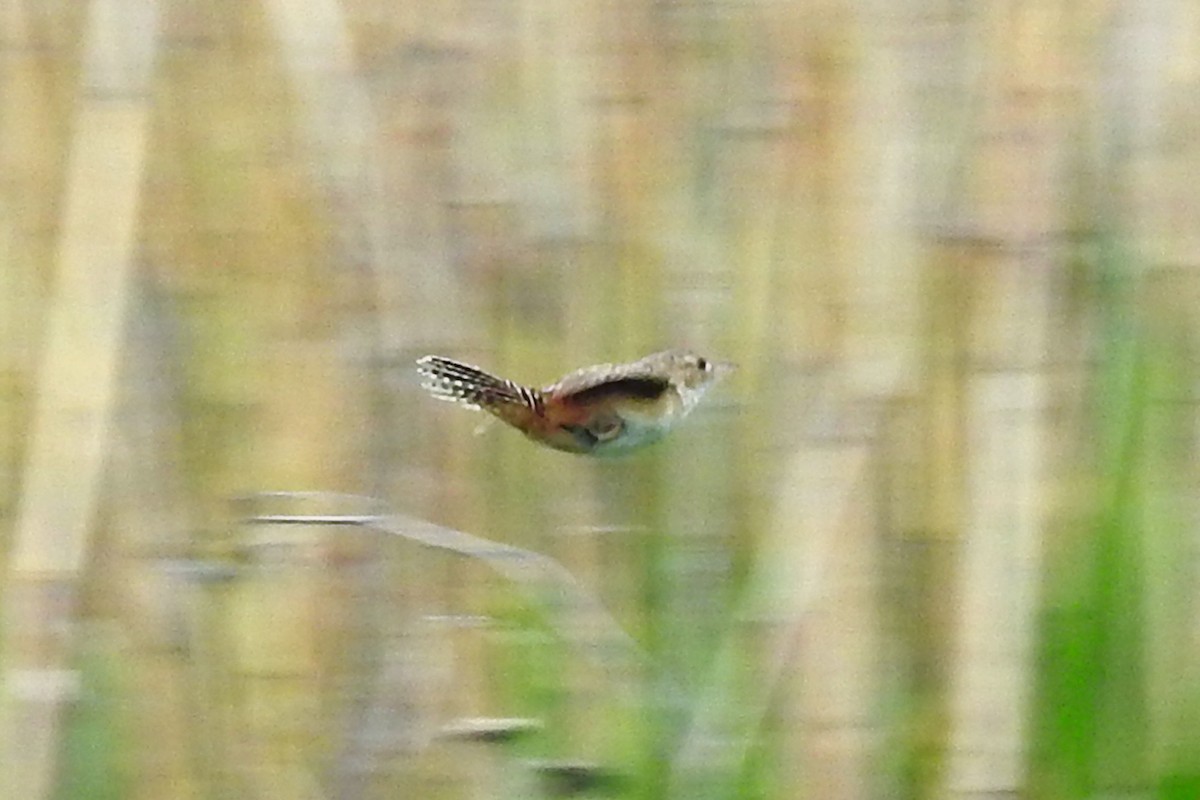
(602, 410)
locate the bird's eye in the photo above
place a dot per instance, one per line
(703, 365)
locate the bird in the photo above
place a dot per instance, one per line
(601, 410)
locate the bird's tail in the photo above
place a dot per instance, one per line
(447, 379)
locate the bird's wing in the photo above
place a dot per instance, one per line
(594, 383)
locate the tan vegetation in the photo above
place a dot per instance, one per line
(935, 538)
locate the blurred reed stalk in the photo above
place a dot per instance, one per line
(76, 396)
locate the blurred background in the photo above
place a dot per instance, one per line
(937, 537)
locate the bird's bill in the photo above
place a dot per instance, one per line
(722, 369)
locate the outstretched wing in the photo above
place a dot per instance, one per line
(638, 379)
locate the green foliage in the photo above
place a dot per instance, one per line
(95, 745)
(1107, 620)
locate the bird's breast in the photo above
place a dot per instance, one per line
(587, 427)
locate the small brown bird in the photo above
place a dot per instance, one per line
(607, 409)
